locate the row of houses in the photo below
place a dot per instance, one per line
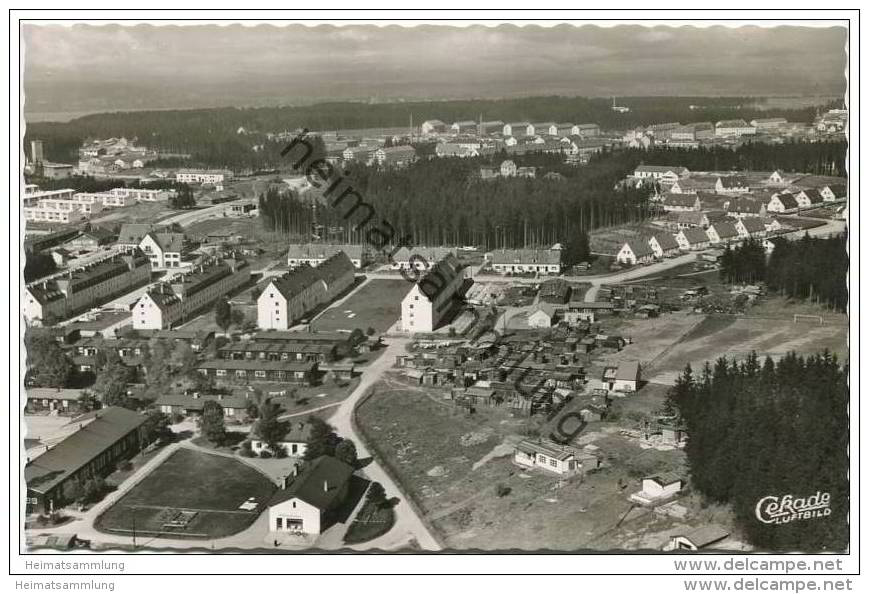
(285, 300)
(663, 245)
(170, 303)
(510, 129)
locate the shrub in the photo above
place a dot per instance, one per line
(280, 452)
(265, 454)
(246, 450)
(502, 490)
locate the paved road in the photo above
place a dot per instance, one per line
(408, 526)
(192, 216)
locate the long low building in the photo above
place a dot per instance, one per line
(315, 254)
(104, 438)
(542, 261)
(258, 370)
(278, 351)
(85, 287)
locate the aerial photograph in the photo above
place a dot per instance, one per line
(434, 289)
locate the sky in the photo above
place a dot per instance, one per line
(82, 68)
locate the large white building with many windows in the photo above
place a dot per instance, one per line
(285, 300)
(432, 297)
(167, 304)
(85, 287)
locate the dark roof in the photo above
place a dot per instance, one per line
(753, 224)
(526, 256)
(163, 296)
(295, 281)
(706, 535)
(256, 365)
(297, 432)
(319, 484)
(440, 275)
(169, 242)
(105, 428)
(323, 251)
(665, 478)
(301, 337)
(684, 200)
(695, 235)
(133, 233)
(735, 181)
(725, 229)
(788, 200)
(666, 241)
(335, 268)
(639, 247)
(557, 287)
(814, 195)
(429, 254)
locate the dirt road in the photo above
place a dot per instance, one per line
(408, 526)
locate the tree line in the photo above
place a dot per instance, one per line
(758, 430)
(810, 268)
(210, 135)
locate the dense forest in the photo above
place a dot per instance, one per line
(210, 135)
(811, 268)
(772, 429)
(745, 263)
(444, 201)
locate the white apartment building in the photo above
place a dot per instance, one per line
(432, 297)
(45, 214)
(164, 249)
(287, 299)
(85, 287)
(158, 309)
(201, 287)
(32, 195)
(731, 128)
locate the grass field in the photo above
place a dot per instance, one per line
(213, 486)
(377, 304)
(142, 212)
(737, 336)
(454, 464)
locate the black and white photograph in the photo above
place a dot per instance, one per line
(457, 290)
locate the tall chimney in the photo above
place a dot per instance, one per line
(326, 486)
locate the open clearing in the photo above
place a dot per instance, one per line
(736, 336)
(190, 481)
(377, 305)
(452, 463)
